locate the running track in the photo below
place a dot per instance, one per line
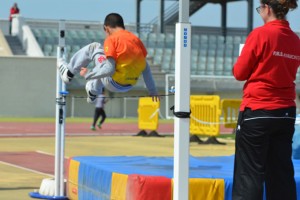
(23, 129)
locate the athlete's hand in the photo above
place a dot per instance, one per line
(155, 98)
(83, 71)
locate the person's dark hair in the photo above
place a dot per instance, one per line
(114, 20)
(281, 7)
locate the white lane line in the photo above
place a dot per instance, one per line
(68, 134)
(27, 169)
(49, 154)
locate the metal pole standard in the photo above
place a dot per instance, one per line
(167, 96)
(182, 103)
(55, 189)
(73, 107)
(60, 118)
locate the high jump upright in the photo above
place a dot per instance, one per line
(60, 118)
(182, 103)
(55, 188)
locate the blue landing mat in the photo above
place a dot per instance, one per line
(200, 167)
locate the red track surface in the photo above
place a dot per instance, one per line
(45, 163)
(12, 129)
(30, 160)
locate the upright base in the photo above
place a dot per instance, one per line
(37, 195)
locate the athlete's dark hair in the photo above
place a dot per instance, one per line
(114, 20)
(281, 7)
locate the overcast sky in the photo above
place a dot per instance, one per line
(96, 10)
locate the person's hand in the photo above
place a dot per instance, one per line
(83, 71)
(155, 98)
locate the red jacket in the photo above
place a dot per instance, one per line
(13, 10)
(269, 62)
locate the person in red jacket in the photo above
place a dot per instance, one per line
(268, 63)
(13, 10)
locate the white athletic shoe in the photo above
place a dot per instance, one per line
(91, 97)
(65, 75)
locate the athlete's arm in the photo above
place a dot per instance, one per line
(150, 84)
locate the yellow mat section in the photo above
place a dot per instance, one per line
(72, 185)
(208, 189)
(118, 186)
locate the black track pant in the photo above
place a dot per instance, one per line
(263, 155)
(99, 112)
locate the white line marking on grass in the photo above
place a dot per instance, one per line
(46, 153)
(27, 169)
(26, 134)
(43, 152)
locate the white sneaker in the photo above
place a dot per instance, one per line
(64, 73)
(91, 97)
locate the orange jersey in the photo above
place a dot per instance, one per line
(130, 55)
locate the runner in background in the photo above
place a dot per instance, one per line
(99, 111)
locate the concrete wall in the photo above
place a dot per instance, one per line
(27, 86)
(28, 89)
(29, 42)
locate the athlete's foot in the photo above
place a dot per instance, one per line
(93, 128)
(65, 74)
(91, 98)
